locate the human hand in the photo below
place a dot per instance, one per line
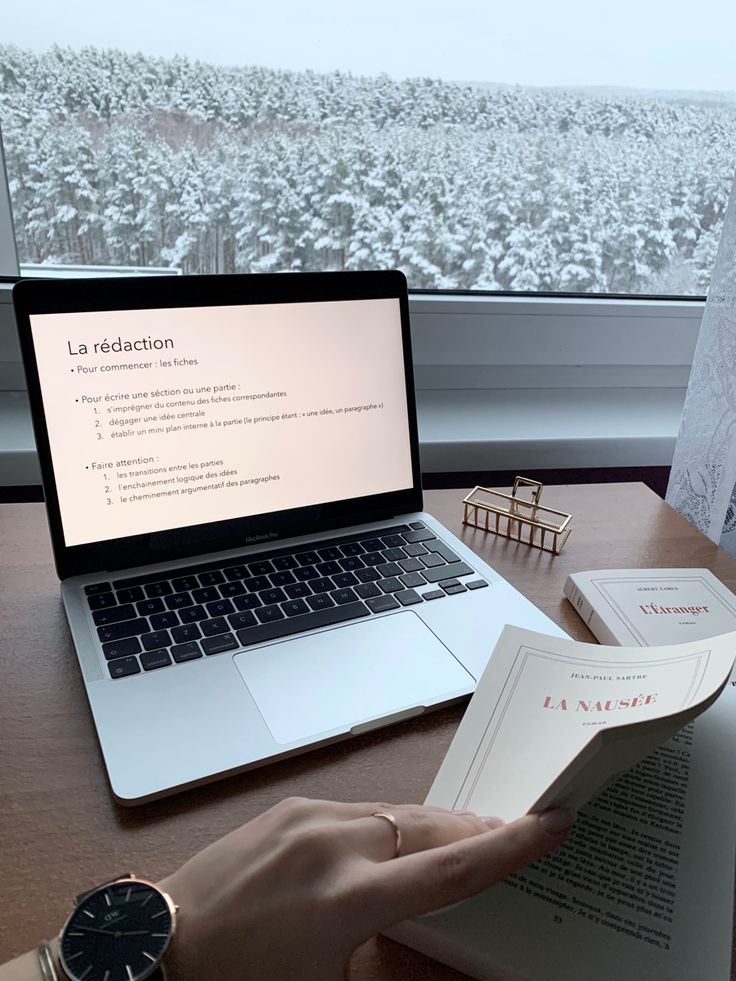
(293, 892)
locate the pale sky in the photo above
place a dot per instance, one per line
(660, 44)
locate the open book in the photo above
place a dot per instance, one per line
(643, 889)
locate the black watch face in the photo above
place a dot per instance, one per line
(117, 933)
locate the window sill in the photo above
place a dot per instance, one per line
(501, 429)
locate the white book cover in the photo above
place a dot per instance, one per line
(647, 607)
(643, 889)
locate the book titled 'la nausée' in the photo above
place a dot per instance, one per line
(643, 889)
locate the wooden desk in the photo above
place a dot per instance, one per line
(60, 830)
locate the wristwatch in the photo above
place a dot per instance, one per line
(118, 931)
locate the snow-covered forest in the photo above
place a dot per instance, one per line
(119, 158)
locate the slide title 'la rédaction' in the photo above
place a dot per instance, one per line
(107, 347)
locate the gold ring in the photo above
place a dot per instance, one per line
(394, 827)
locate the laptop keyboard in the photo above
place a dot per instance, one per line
(153, 621)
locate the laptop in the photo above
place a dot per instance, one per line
(231, 474)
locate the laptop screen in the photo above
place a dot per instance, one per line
(171, 417)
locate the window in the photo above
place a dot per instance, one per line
(539, 148)
(529, 147)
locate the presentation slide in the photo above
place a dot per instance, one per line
(159, 419)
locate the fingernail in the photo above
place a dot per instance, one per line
(493, 822)
(557, 820)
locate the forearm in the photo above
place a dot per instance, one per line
(23, 968)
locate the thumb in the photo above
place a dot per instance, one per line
(409, 886)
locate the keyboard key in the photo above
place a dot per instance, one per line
(268, 613)
(187, 632)
(412, 579)
(121, 648)
(239, 620)
(328, 568)
(408, 597)
(367, 575)
(101, 601)
(391, 585)
(351, 548)
(269, 596)
(373, 558)
(123, 667)
(372, 544)
(420, 535)
(457, 588)
(389, 569)
(185, 584)
(282, 578)
(219, 644)
(476, 584)
(351, 563)
(432, 560)
(432, 594)
(249, 602)
(306, 572)
(297, 590)
(206, 595)
(163, 621)
(192, 614)
(411, 565)
(367, 589)
(158, 589)
(329, 554)
(186, 652)
(131, 595)
(177, 600)
(380, 604)
(257, 583)
(220, 608)
(320, 602)
(147, 607)
(343, 596)
(117, 631)
(158, 638)
(285, 562)
(310, 621)
(235, 572)
(441, 549)
(307, 558)
(213, 578)
(211, 627)
(321, 585)
(447, 572)
(155, 659)
(294, 608)
(415, 549)
(262, 568)
(417, 525)
(97, 587)
(232, 588)
(114, 615)
(394, 554)
(393, 541)
(344, 579)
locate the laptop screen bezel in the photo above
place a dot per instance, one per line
(33, 297)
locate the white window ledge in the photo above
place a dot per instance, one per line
(476, 430)
(502, 384)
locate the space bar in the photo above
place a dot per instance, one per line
(295, 625)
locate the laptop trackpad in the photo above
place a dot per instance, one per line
(338, 678)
